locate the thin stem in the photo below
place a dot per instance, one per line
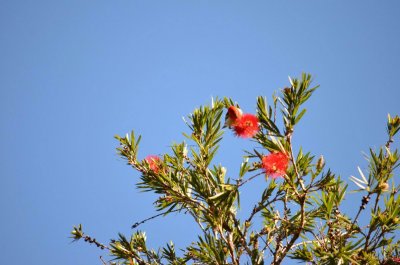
(257, 209)
(296, 235)
(390, 140)
(242, 235)
(91, 240)
(285, 213)
(289, 138)
(371, 229)
(377, 239)
(241, 183)
(150, 218)
(230, 246)
(364, 202)
(198, 222)
(280, 251)
(102, 261)
(377, 201)
(266, 245)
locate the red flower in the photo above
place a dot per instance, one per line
(275, 164)
(246, 126)
(232, 115)
(154, 162)
(397, 260)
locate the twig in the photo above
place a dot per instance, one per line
(230, 245)
(389, 142)
(289, 138)
(91, 240)
(364, 202)
(285, 214)
(371, 228)
(198, 222)
(279, 256)
(266, 245)
(102, 261)
(241, 183)
(155, 216)
(257, 209)
(242, 235)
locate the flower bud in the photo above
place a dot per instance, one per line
(185, 151)
(320, 163)
(384, 186)
(266, 230)
(287, 90)
(233, 114)
(223, 171)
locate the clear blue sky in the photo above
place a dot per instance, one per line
(74, 73)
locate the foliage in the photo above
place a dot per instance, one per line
(300, 206)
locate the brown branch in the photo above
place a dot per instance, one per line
(91, 240)
(364, 202)
(230, 245)
(278, 257)
(370, 231)
(242, 235)
(390, 140)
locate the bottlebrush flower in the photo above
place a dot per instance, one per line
(397, 260)
(275, 164)
(154, 163)
(232, 116)
(246, 126)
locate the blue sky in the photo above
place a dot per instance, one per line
(75, 73)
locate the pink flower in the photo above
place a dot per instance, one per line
(246, 126)
(275, 164)
(232, 116)
(154, 163)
